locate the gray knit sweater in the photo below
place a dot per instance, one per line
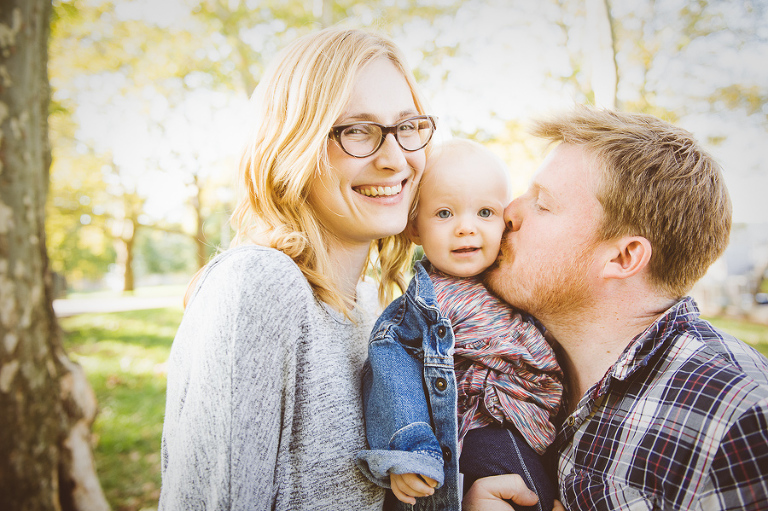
(264, 406)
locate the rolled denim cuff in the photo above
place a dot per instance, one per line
(414, 449)
(377, 465)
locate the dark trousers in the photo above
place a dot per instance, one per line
(494, 450)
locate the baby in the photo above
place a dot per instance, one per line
(456, 380)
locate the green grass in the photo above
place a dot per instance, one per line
(124, 356)
(147, 291)
(754, 334)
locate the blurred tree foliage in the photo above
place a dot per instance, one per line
(104, 52)
(143, 72)
(76, 226)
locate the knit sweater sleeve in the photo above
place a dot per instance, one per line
(230, 383)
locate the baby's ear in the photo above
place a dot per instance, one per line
(413, 232)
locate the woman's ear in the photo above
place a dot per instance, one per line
(413, 232)
(630, 255)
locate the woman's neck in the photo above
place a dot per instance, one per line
(348, 263)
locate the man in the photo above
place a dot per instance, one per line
(661, 410)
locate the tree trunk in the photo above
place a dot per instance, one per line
(129, 278)
(124, 230)
(197, 205)
(602, 51)
(46, 405)
(323, 11)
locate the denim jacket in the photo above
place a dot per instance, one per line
(409, 396)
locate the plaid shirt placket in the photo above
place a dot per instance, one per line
(675, 424)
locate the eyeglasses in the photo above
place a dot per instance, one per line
(364, 138)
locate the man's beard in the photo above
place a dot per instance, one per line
(555, 291)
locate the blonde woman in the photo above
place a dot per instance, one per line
(264, 406)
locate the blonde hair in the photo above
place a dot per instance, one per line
(303, 92)
(656, 182)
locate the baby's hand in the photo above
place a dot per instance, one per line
(408, 486)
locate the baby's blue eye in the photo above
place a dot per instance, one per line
(443, 213)
(484, 213)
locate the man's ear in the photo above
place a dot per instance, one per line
(630, 255)
(413, 232)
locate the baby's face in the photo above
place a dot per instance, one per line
(460, 213)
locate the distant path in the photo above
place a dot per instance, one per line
(71, 306)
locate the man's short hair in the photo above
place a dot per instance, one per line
(655, 181)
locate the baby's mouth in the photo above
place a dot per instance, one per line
(380, 191)
(465, 250)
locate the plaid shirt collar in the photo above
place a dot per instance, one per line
(644, 346)
(634, 357)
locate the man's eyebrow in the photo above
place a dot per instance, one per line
(540, 190)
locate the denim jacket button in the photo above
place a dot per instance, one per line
(441, 384)
(441, 331)
(447, 454)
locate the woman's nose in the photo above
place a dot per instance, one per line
(390, 155)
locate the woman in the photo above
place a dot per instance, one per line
(263, 404)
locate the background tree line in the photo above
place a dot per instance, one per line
(149, 98)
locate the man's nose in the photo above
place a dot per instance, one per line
(512, 215)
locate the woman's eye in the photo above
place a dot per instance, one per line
(485, 213)
(357, 130)
(540, 207)
(443, 213)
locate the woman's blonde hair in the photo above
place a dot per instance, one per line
(301, 95)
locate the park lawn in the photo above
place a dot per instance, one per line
(754, 334)
(124, 355)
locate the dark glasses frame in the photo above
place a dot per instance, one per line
(335, 133)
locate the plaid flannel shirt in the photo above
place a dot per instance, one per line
(679, 422)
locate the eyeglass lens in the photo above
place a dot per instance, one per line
(365, 138)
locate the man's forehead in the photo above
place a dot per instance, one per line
(538, 188)
(568, 172)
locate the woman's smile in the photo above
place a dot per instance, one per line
(380, 191)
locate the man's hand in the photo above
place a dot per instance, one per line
(489, 494)
(407, 487)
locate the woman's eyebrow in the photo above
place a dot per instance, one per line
(372, 118)
(358, 117)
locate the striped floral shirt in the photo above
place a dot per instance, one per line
(506, 372)
(679, 422)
